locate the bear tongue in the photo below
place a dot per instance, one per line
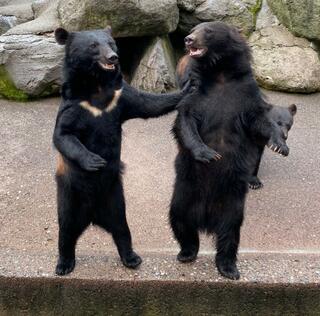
(107, 66)
(195, 51)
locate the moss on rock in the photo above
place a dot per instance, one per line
(255, 9)
(9, 91)
(7, 88)
(301, 17)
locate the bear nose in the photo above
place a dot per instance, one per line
(113, 58)
(188, 40)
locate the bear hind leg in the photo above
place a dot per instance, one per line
(73, 220)
(188, 239)
(69, 232)
(254, 181)
(122, 238)
(185, 233)
(228, 238)
(112, 218)
(227, 248)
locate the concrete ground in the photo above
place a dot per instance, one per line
(280, 237)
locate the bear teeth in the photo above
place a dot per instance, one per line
(196, 51)
(107, 66)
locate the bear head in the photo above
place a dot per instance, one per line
(89, 51)
(283, 116)
(216, 41)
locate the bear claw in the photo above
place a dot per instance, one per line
(255, 183)
(206, 154)
(283, 150)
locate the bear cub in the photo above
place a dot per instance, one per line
(283, 116)
(96, 101)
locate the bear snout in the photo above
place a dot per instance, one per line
(188, 40)
(113, 58)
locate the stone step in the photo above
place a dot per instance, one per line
(270, 284)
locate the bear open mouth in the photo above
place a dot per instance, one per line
(107, 66)
(197, 52)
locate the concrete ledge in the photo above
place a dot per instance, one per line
(270, 284)
(52, 296)
(255, 267)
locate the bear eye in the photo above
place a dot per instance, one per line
(279, 123)
(94, 45)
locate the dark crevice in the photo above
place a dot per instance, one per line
(131, 51)
(177, 42)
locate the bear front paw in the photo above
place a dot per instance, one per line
(93, 162)
(281, 149)
(255, 183)
(206, 155)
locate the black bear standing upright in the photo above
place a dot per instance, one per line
(219, 129)
(95, 103)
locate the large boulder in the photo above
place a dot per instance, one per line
(30, 66)
(22, 12)
(46, 21)
(301, 17)
(156, 70)
(127, 18)
(285, 62)
(13, 2)
(189, 5)
(241, 13)
(39, 6)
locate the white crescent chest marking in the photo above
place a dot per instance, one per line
(98, 112)
(92, 109)
(114, 101)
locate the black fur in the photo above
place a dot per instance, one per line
(279, 115)
(88, 137)
(283, 116)
(219, 129)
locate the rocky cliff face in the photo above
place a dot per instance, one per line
(284, 36)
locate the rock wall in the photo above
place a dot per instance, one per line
(284, 36)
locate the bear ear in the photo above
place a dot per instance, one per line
(236, 34)
(293, 109)
(61, 35)
(108, 29)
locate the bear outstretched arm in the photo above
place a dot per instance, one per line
(139, 104)
(265, 131)
(71, 147)
(187, 132)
